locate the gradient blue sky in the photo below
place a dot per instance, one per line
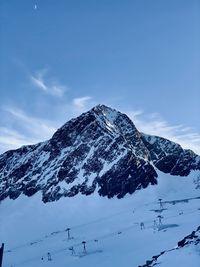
(60, 58)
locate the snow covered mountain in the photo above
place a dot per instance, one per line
(100, 153)
(99, 150)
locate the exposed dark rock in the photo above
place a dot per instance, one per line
(170, 157)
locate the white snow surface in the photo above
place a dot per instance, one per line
(187, 256)
(30, 229)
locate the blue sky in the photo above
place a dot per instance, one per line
(60, 58)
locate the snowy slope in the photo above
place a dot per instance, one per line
(186, 253)
(31, 229)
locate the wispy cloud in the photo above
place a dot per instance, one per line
(11, 139)
(153, 124)
(27, 129)
(37, 127)
(49, 86)
(81, 104)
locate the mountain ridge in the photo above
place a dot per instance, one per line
(101, 149)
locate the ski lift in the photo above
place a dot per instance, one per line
(160, 202)
(84, 247)
(160, 217)
(68, 233)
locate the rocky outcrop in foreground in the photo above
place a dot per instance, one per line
(191, 240)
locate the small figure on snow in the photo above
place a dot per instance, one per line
(142, 225)
(49, 256)
(72, 250)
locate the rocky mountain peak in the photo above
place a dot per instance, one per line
(113, 120)
(99, 150)
(99, 122)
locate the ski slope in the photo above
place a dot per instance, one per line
(111, 227)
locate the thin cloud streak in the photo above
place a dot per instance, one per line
(34, 130)
(49, 86)
(10, 139)
(36, 126)
(38, 82)
(81, 102)
(153, 124)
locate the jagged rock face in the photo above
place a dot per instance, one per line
(100, 150)
(193, 238)
(170, 157)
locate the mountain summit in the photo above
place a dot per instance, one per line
(100, 150)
